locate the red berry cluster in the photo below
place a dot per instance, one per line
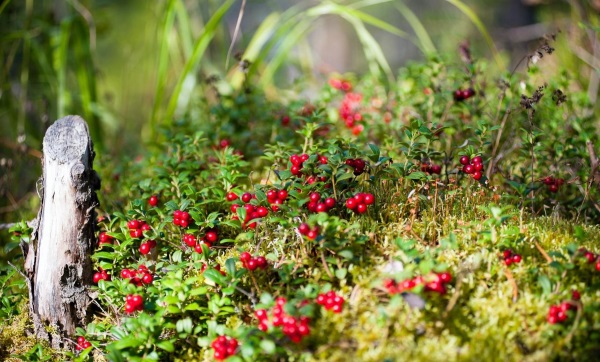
(276, 197)
(208, 239)
(224, 347)
(137, 228)
(306, 230)
(463, 94)
(295, 328)
(357, 164)
(138, 277)
(252, 263)
(297, 163)
(591, 257)
(340, 84)
(331, 301)
(510, 257)
(82, 343)
(435, 283)
(553, 183)
(359, 202)
(559, 313)
(316, 205)
(350, 112)
(252, 212)
(181, 218)
(153, 200)
(472, 167)
(104, 238)
(101, 275)
(431, 168)
(133, 302)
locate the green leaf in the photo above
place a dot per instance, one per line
(341, 273)
(184, 325)
(167, 346)
(346, 254)
(267, 346)
(417, 176)
(215, 276)
(545, 283)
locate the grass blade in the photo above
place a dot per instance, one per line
(427, 46)
(482, 29)
(163, 61)
(192, 63)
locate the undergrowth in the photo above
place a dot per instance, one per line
(476, 213)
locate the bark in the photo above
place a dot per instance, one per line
(57, 260)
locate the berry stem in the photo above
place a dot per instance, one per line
(325, 265)
(543, 252)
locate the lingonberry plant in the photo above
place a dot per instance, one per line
(364, 224)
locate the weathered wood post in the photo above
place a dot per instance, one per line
(57, 260)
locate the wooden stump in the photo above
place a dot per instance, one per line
(57, 260)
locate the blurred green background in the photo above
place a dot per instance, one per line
(129, 67)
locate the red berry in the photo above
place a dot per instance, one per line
(246, 197)
(245, 257)
(261, 261)
(153, 200)
(516, 258)
(312, 235)
(303, 228)
(129, 308)
(464, 160)
(330, 202)
(252, 264)
(598, 266)
(183, 223)
(321, 207)
(133, 224)
(477, 166)
(361, 208)
(261, 211)
(282, 195)
(295, 160)
(576, 295)
(477, 175)
(147, 278)
(476, 159)
(468, 169)
(314, 196)
(144, 248)
(369, 199)
(445, 277)
(553, 188)
(507, 254)
(295, 170)
(211, 237)
(97, 277)
(351, 203)
(125, 274)
(359, 197)
(231, 196)
(437, 169)
(136, 233)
